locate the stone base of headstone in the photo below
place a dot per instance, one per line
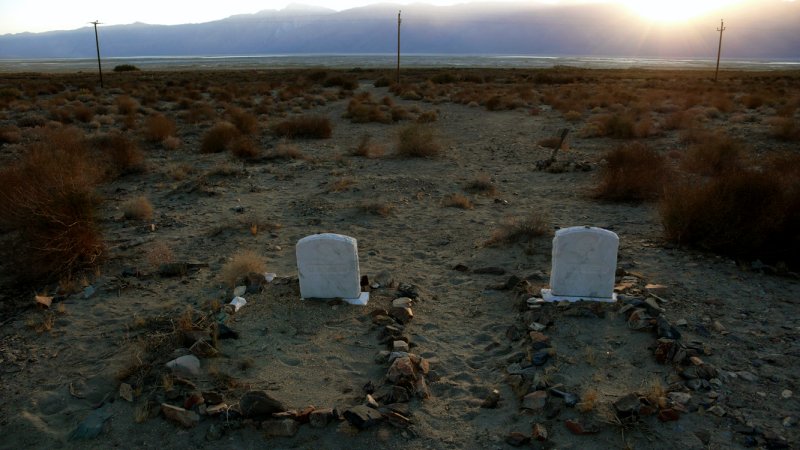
(361, 300)
(549, 297)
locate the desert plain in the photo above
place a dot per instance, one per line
(130, 213)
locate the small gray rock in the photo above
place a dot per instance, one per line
(256, 404)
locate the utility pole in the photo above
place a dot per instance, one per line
(399, 20)
(97, 44)
(719, 50)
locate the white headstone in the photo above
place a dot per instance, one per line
(584, 265)
(327, 265)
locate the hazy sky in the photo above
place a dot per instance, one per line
(44, 15)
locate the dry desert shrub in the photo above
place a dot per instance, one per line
(245, 122)
(457, 200)
(741, 213)
(287, 151)
(514, 229)
(83, 113)
(245, 147)
(158, 253)
(200, 112)
(482, 184)
(310, 127)
(368, 149)
(219, 137)
(158, 127)
(126, 105)
(10, 134)
(377, 208)
(712, 153)
(47, 199)
(783, 128)
(348, 83)
(120, 154)
(342, 184)
(418, 141)
(171, 143)
(632, 173)
(362, 110)
(240, 265)
(572, 116)
(427, 117)
(138, 208)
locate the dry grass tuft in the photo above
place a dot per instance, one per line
(287, 151)
(457, 200)
(368, 149)
(588, 401)
(47, 199)
(244, 121)
(158, 127)
(342, 184)
(240, 265)
(418, 141)
(245, 147)
(712, 153)
(481, 185)
(121, 155)
(138, 208)
(378, 208)
(219, 137)
(632, 173)
(158, 253)
(127, 105)
(515, 229)
(310, 127)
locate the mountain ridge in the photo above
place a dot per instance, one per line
(567, 30)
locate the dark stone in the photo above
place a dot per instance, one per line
(665, 350)
(258, 404)
(460, 268)
(362, 416)
(213, 398)
(492, 400)
(364, 281)
(490, 271)
(513, 333)
(517, 439)
(512, 282)
(408, 290)
(539, 340)
(666, 329)
(627, 406)
(225, 332)
(319, 418)
(570, 399)
(540, 358)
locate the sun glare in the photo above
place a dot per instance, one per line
(675, 10)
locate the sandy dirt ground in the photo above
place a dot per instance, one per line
(472, 327)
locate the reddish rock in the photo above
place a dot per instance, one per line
(668, 415)
(539, 432)
(539, 340)
(578, 428)
(517, 439)
(535, 401)
(180, 416)
(402, 369)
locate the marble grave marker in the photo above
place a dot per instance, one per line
(584, 265)
(327, 265)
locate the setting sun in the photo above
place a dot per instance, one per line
(675, 10)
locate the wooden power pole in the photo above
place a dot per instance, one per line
(399, 20)
(97, 44)
(719, 49)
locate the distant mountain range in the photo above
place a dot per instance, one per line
(601, 29)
